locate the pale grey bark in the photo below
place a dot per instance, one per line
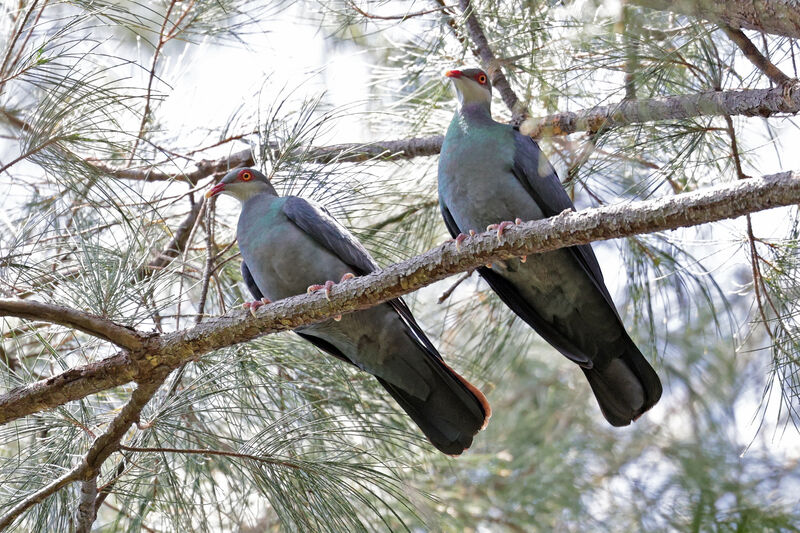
(57, 314)
(746, 102)
(162, 353)
(781, 17)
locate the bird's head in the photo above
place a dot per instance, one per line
(242, 184)
(472, 86)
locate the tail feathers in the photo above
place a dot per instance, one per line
(451, 414)
(625, 388)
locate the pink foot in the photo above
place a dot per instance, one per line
(327, 286)
(346, 276)
(501, 227)
(254, 305)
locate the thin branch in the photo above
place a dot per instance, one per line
(780, 17)
(40, 495)
(491, 64)
(219, 453)
(176, 245)
(756, 57)
(446, 294)
(165, 352)
(71, 318)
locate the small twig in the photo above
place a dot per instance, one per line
(276, 462)
(394, 17)
(208, 269)
(755, 56)
(142, 525)
(446, 294)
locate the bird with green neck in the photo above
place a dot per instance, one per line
(490, 175)
(288, 246)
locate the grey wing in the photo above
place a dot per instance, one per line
(540, 180)
(250, 282)
(325, 229)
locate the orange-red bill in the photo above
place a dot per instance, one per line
(453, 73)
(215, 190)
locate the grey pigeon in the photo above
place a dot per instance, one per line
(489, 172)
(288, 246)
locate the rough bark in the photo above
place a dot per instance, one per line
(162, 353)
(746, 102)
(57, 314)
(781, 17)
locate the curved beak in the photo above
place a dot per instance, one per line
(453, 74)
(215, 190)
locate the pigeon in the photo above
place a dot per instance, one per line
(490, 175)
(288, 245)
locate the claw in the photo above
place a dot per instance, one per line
(346, 276)
(471, 232)
(501, 227)
(314, 288)
(459, 240)
(523, 259)
(517, 220)
(252, 306)
(337, 318)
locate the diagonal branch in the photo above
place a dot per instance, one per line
(491, 64)
(755, 56)
(162, 353)
(71, 318)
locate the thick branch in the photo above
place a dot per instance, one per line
(490, 63)
(747, 102)
(162, 353)
(71, 318)
(781, 17)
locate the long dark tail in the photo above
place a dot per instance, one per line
(626, 387)
(453, 412)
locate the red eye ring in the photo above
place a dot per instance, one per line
(482, 79)
(245, 175)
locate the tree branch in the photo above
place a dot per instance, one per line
(162, 353)
(72, 318)
(781, 17)
(747, 102)
(755, 56)
(101, 448)
(491, 64)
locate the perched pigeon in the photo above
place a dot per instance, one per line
(288, 245)
(489, 172)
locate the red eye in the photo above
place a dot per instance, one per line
(481, 79)
(245, 175)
